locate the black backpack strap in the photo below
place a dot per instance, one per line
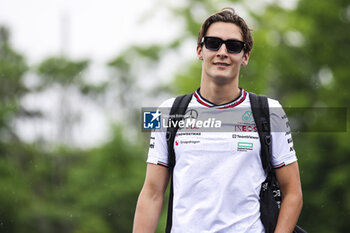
(177, 110)
(261, 114)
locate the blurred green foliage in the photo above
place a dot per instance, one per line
(300, 57)
(61, 70)
(12, 68)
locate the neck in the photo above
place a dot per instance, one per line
(220, 93)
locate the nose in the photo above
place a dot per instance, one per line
(222, 52)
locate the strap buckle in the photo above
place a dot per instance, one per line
(268, 140)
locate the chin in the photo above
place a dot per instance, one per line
(222, 79)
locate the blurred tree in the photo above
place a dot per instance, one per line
(12, 185)
(103, 187)
(62, 189)
(12, 68)
(130, 71)
(62, 71)
(66, 75)
(93, 191)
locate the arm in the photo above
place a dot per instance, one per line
(150, 202)
(292, 201)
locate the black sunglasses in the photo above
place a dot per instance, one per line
(214, 44)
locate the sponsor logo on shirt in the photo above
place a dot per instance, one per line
(245, 128)
(177, 142)
(247, 116)
(192, 114)
(244, 146)
(188, 134)
(244, 136)
(152, 142)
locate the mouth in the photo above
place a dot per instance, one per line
(221, 64)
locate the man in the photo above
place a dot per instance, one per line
(217, 180)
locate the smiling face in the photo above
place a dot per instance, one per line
(221, 66)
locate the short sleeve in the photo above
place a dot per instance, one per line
(158, 148)
(282, 143)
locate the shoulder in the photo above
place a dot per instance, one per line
(273, 103)
(276, 109)
(167, 103)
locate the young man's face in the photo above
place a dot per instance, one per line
(222, 66)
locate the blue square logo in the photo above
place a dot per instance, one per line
(151, 120)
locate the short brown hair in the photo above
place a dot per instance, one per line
(228, 15)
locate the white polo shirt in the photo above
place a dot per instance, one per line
(218, 175)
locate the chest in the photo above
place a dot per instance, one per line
(216, 148)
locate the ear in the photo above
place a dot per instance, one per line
(245, 59)
(199, 52)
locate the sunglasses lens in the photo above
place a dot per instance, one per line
(234, 46)
(213, 43)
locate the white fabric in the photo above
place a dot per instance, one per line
(218, 175)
